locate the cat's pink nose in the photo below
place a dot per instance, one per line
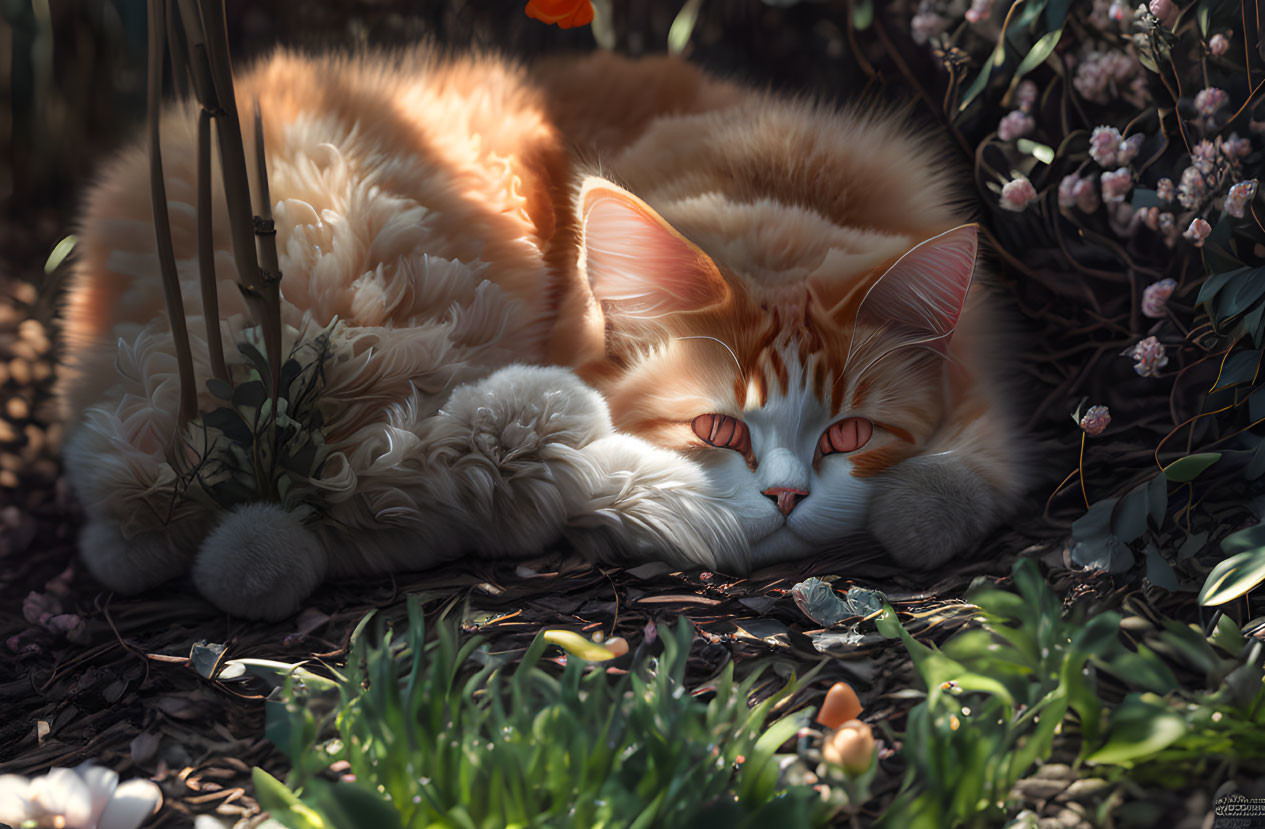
(786, 497)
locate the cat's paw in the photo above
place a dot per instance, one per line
(928, 509)
(130, 565)
(633, 501)
(505, 440)
(260, 562)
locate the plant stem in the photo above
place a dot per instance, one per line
(162, 222)
(206, 250)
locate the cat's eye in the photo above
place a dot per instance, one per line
(847, 435)
(724, 432)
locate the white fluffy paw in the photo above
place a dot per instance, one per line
(633, 501)
(130, 565)
(510, 435)
(260, 562)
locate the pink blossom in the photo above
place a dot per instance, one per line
(1116, 185)
(1197, 232)
(1017, 194)
(1104, 144)
(1067, 190)
(1233, 147)
(1151, 217)
(1086, 196)
(926, 25)
(1129, 148)
(1209, 100)
(1164, 189)
(1237, 200)
(1218, 45)
(1015, 125)
(1155, 298)
(1165, 11)
(1148, 357)
(1096, 419)
(1204, 156)
(1026, 95)
(1192, 189)
(1100, 75)
(1123, 219)
(979, 10)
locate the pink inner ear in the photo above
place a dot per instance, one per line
(918, 300)
(637, 262)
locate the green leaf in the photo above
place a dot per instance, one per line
(1256, 466)
(863, 15)
(1239, 573)
(61, 250)
(283, 804)
(1246, 288)
(1157, 499)
(1128, 520)
(1213, 284)
(1056, 13)
(1240, 367)
(1227, 636)
(1159, 572)
(683, 26)
(351, 806)
(1041, 152)
(1037, 55)
(1184, 470)
(1141, 726)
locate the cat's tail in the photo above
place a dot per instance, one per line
(260, 562)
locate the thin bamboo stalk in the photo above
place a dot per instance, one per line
(162, 222)
(261, 290)
(206, 250)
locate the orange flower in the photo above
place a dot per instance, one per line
(566, 13)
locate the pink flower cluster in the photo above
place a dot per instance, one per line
(1075, 191)
(1100, 76)
(979, 10)
(1148, 357)
(1218, 45)
(1016, 124)
(1155, 298)
(1193, 187)
(1165, 11)
(1116, 184)
(1208, 101)
(1017, 194)
(927, 23)
(1109, 149)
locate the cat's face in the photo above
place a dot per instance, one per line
(794, 398)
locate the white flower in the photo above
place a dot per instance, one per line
(1148, 357)
(1191, 191)
(1218, 45)
(1237, 200)
(1017, 194)
(926, 25)
(1164, 189)
(1086, 195)
(1155, 298)
(1026, 95)
(1096, 420)
(85, 797)
(1197, 232)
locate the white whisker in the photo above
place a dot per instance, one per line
(713, 339)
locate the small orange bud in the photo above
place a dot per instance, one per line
(840, 706)
(566, 13)
(850, 747)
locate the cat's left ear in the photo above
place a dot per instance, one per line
(638, 266)
(923, 293)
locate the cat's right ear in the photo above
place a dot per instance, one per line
(638, 266)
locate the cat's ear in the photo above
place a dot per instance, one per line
(639, 266)
(916, 302)
(919, 298)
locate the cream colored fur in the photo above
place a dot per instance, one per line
(427, 204)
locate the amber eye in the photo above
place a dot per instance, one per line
(847, 435)
(723, 431)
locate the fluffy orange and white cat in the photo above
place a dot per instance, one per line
(623, 303)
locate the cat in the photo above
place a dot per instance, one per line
(624, 303)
